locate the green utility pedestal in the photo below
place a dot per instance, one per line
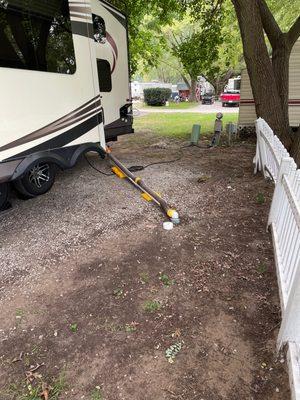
(231, 130)
(195, 135)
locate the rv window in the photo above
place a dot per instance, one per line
(104, 76)
(36, 35)
(99, 29)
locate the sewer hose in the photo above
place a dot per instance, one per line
(171, 213)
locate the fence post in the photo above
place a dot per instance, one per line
(285, 167)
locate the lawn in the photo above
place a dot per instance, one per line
(172, 106)
(179, 125)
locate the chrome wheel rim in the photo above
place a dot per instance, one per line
(39, 175)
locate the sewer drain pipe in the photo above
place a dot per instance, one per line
(139, 183)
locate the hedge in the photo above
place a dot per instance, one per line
(157, 96)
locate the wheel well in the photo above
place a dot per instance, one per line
(63, 158)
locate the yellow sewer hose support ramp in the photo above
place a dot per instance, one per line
(139, 183)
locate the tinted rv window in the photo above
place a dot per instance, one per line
(104, 76)
(99, 29)
(36, 35)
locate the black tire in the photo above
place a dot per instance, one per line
(37, 181)
(4, 193)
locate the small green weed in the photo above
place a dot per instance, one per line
(152, 306)
(96, 394)
(260, 198)
(35, 349)
(166, 281)
(144, 278)
(19, 313)
(74, 328)
(130, 328)
(172, 352)
(118, 292)
(19, 316)
(262, 268)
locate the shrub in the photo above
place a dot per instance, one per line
(157, 96)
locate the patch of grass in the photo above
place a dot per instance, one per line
(96, 394)
(130, 328)
(260, 198)
(74, 328)
(111, 327)
(172, 106)
(34, 391)
(179, 125)
(144, 278)
(166, 281)
(152, 306)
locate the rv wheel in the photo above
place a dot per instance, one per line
(37, 181)
(4, 190)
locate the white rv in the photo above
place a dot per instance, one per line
(248, 115)
(64, 79)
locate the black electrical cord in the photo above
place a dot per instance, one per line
(136, 168)
(96, 169)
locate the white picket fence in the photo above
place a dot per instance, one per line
(284, 220)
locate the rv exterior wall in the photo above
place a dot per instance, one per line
(115, 50)
(31, 100)
(248, 115)
(65, 108)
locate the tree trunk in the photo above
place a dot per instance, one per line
(280, 62)
(193, 88)
(268, 102)
(295, 149)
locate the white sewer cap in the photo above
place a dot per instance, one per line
(168, 226)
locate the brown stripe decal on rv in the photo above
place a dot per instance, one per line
(77, 115)
(83, 10)
(115, 51)
(252, 102)
(65, 138)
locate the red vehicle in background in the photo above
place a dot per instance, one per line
(230, 98)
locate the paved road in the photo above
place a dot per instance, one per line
(203, 109)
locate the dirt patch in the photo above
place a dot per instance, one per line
(107, 305)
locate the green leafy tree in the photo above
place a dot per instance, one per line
(264, 26)
(144, 21)
(195, 47)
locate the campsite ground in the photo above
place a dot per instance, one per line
(94, 291)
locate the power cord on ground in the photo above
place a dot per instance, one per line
(96, 169)
(136, 168)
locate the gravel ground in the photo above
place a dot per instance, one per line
(37, 234)
(93, 288)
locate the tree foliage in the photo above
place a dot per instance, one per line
(145, 17)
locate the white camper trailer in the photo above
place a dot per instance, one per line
(248, 115)
(64, 78)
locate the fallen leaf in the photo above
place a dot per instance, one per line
(46, 391)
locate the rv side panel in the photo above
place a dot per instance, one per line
(248, 115)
